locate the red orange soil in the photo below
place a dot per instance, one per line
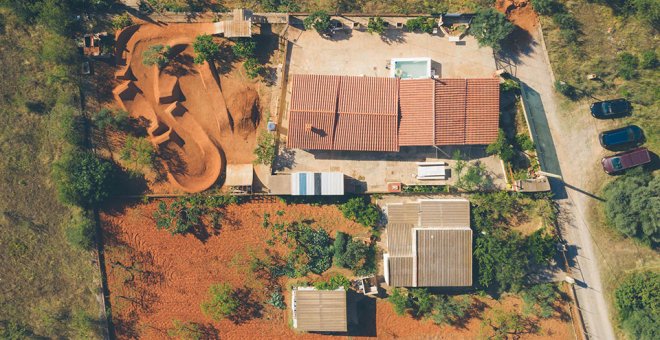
(197, 138)
(171, 275)
(520, 13)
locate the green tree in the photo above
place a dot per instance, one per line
(265, 150)
(244, 48)
(185, 330)
(648, 10)
(649, 60)
(632, 205)
(400, 300)
(501, 260)
(376, 25)
(637, 300)
(333, 283)
(539, 300)
(490, 28)
(106, 118)
(181, 216)
(423, 24)
(157, 55)
(501, 147)
(505, 324)
(222, 302)
(545, 7)
(451, 311)
(422, 301)
(83, 179)
(566, 21)
(121, 21)
(524, 142)
(628, 64)
(205, 49)
(139, 152)
(361, 210)
(319, 21)
(252, 67)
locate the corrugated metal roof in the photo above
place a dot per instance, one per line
(401, 271)
(407, 213)
(417, 112)
(444, 257)
(317, 183)
(440, 258)
(399, 239)
(482, 112)
(239, 174)
(446, 213)
(321, 310)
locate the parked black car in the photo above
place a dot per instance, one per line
(611, 108)
(621, 138)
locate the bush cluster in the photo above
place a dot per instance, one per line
(490, 28)
(361, 210)
(84, 179)
(421, 24)
(353, 254)
(265, 150)
(376, 25)
(222, 302)
(421, 303)
(637, 299)
(319, 21)
(188, 212)
(333, 283)
(206, 50)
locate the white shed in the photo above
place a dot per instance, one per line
(317, 183)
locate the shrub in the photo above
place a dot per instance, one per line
(510, 85)
(490, 28)
(106, 118)
(400, 300)
(83, 179)
(181, 216)
(185, 330)
(423, 24)
(649, 60)
(631, 206)
(637, 299)
(566, 21)
(570, 37)
(277, 300)
(353, 254)
(222, 302)
(205, 49)
(501, 147)
(319, 21)
(121, 21)
(81, 232)
(139, 152)
(524, 142)
(70, 124)
(501, 260)
(566, 89)
(628, 65)
(265, 150)
(451, 311)
(360, 210)
(376, 25)
(157, 55)
(539, 300)
(252, 67)
(422, 301)
(648, 10)
(244, 48)
(545, 7)
(540, 246)
(334, 282)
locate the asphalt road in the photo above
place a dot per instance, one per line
(568, 147)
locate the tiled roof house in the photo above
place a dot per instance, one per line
(382, 114)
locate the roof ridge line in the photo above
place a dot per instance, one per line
(465, 113)
(336, 113)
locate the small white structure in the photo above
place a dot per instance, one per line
(431, 170)
(317, 183)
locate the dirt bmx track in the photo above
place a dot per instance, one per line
(184, 105)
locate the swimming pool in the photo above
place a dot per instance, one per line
(411, 68)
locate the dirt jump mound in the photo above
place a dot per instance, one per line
(189, 120)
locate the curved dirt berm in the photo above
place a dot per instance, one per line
(184, 104)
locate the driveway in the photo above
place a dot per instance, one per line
(569, 147)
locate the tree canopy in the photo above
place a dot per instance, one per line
(637, 301)
(376, 25)
(84, 179)
(205, 49)
(222, 302)
(632, 206)
(490, 27)
(158, 55)
(319, 21)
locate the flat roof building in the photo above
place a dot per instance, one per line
(429, 244)
(319, 310)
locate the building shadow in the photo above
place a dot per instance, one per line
(361, 315)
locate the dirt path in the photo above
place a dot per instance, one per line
(574, 136)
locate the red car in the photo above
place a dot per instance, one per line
(626, 160)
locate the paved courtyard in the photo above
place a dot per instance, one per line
(360, 53)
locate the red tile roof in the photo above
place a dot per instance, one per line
(417, 112)
(362, 113)
(483, 111)
(450, 101)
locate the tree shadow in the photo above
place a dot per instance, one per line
(249, 307)
(223, 62)
(392, 36)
